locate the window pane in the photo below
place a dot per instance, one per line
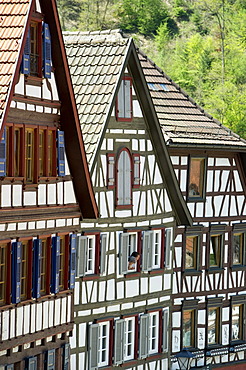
(3, 266)
(238, 240)
(188, 328)
(29, 154)
(215, 250)
(153, 333)
(91, 246)
(196, 180)
(61, 262)
(34, 49)
(213, 325)
(191, 252)
(16, 152)
(129, 339)
(50, 150)
(103, 350)
(236, 333)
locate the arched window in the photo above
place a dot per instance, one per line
(124, 179)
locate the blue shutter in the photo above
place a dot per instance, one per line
(37, 252)
(66, 355)
(25, 65)
(3, 154)
(55, 264)
(72, 262)
(50, 360)
(61, 153)
(31, 363)
(46, 51)
(16, 271)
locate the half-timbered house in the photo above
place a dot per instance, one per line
(121, 308)
(209, 292)
(45, 188)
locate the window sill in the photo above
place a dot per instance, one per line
(132, 274)
(238, 268)
(123, 207)
(89, 277)
(194, 200)
(192, 272)
(156, 271)
(214, 270)
(237, 342)
(33, 80)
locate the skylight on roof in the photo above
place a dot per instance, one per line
(157, 87)
(152, 86)
(164, 87)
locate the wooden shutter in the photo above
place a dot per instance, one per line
(82, 255)
(124, 242)
(16, 271)
(66, 356)
(119, 342)
(147, 250)
(120, 102)
(168, 244)
(144, 336)
(165, 330)
(37, 251)
(128, 99)
(25, 65)
(55, 264)
(111, 170)
(136, 170)
(61, 153)
(72, 260)
(50, 359)
(93, 346)
(3, 154)
(46, 51)
(31, 363)
(103, 246)
(124, 179)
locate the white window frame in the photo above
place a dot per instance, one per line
(153, 332)
(91, 252)
(102, 348)
(150, 250)
(129, 333)
(128, 244)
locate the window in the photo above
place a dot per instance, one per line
(124, 100)
(238, 248)
(124, 179)
(188, 328)
(3, 273)
(37, 51)
(213, 325)
(191, 252)
(215, 251)
(196, 183)
(62, 262)
(99, 344)
(237, 318)
(124, 340)
(31, 363)
(43, 264)
(33, 152)
(149, 335)
(124, 175)
(152, 249)
(24, 271)
(91, 254)
(128, 245)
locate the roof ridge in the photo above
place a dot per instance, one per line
(95, 37)
(230, 132)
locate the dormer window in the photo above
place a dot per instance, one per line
(196, 184)
(124, 100)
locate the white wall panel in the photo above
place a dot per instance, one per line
(167, 281)
(51, 313)
(72, 341)
(29, 198)
(27, 317)
(6, 195)
(42, 194)
(110, 295)
(155, 284)
(12, 323)
(57, 312)
(45, 315)
(82, 334)
(17, 195)
(59, 192)
(69, 196)
(132, 288)
(176, 340)
(143, 285)
(39, 312)
(19, 320)
(5, 325)
(51, 194)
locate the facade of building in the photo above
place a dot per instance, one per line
(122, 302)
(209, 291)
(45, 188)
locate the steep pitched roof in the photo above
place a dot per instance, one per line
(182, 121)
(97, 62)
(15, 17)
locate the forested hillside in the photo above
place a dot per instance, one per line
(200, 44)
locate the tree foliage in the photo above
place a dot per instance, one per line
(200, 44)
